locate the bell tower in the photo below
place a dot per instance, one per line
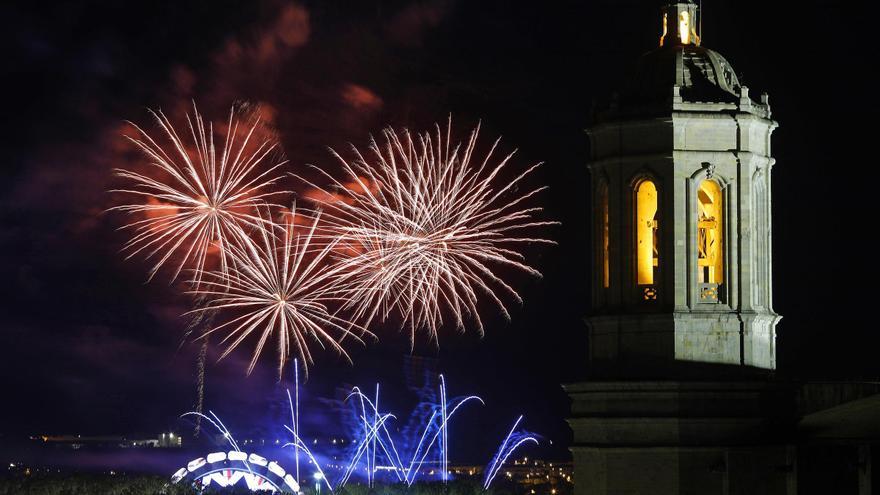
(681, 397)
(680, 168)
(682, 335)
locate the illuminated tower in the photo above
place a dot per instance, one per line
(682, 334)
(680, 171)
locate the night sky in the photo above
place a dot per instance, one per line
(86, 346)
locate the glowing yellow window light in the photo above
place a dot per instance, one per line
(647, 225)
(684, 27)
(665, 29)
(605, 235)
(710, 233)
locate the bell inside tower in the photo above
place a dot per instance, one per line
(710, 254)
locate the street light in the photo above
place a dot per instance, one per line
(318, 477)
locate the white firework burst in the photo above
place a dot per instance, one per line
(195, 199)
(429, 231)
(283, 285)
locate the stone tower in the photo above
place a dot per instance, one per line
(682, 337)
(680, 168)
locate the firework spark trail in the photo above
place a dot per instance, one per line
(215, 421)
(194, 199)
(298, 443)
(282, 286)
(371, 436)
(375, 427)
(368, 437)
(444, 443)
(295, 412)
(218, 424)
(511, 442)
(199, 320)
(440, 430)
(419, 447)
(371, 433)
(200, 388)
(429, 229)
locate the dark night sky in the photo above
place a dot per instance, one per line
(87, 347)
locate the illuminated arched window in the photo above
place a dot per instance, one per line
(665, 30)
(684, 27)
(647, 226)
(604, 235)
(710, 233)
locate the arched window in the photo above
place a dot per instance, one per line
(604, 235)
(647, 238)
(665, 29)
(684, 28)
(710, 233)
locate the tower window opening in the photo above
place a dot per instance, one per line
(665, 28)
(710, 233)
(605, 235)
(684, 27)
(647, 233)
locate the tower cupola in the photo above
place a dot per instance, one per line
(680, 164)
(682, 332)
(680, 24)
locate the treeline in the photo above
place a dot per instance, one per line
(91, 484)
(88, 484)
(456, 487)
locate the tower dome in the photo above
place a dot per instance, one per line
(682, 332)
(681, 73)
(700, 74)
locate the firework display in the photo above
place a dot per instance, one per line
(430, 228)
(420, 228)
(281, 286)
(514, 440)
(194, 198)
(373, 450)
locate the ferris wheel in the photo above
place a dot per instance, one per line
(237, 469)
